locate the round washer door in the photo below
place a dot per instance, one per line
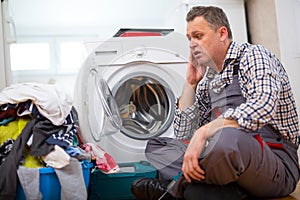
(102, 112)
(145, 103)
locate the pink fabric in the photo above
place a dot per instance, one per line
(105, 162)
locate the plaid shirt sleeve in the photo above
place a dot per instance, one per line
(188, 121)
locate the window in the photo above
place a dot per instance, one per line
(30, 56)
(53, 56)
(48, 59)
(72, 55)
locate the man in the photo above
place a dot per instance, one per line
(236, 123)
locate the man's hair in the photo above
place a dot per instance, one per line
(215, 16)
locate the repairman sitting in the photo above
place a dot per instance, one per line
(236, 123)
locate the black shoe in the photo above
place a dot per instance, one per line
(148, 189)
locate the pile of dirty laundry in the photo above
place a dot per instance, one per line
(39, 128)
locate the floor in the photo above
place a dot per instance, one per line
(294, 196)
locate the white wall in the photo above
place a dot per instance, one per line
(288, 20)
(235, 11)
(104, 18)
(262, 24)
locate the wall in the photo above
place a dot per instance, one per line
(235, 11)
(288, 15)
(262, 24)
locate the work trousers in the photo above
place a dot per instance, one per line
(262, 163)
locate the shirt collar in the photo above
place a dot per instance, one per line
(233, 52)
(231, 57)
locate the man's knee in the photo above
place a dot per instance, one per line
(233, 141)
(229, 157)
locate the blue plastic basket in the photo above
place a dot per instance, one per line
(49, 183)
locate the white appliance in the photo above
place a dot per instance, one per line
(125, 92)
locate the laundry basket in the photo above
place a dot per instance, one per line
(49, 183)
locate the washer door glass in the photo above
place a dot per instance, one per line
(145, 105)
(103, 114)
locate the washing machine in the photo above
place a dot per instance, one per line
(125, 92)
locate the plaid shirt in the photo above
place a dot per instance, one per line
(263, 82)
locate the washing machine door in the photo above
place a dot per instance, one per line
(145, 103)
(101, 108)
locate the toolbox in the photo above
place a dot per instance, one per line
(117, 186)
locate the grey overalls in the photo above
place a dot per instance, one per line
(261, 162)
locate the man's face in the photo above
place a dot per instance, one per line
(204, 41)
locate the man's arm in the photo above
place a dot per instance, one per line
(190, 168)
(194, 75)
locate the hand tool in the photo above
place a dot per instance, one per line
(170, 185)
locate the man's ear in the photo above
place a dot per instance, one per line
(223, 33)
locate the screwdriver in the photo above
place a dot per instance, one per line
(171, 184)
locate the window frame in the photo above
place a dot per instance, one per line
(54, 51)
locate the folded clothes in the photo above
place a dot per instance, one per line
(105, 162)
